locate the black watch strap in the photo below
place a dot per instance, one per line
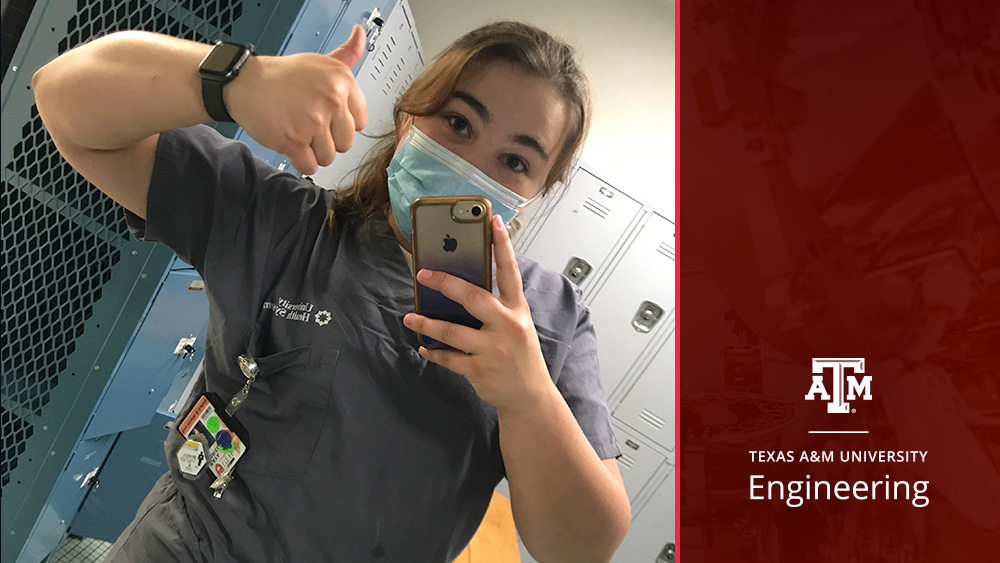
(220, 66)
(211, 93)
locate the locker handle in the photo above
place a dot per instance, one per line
(577, 270)
(647, 316)
(666, 554)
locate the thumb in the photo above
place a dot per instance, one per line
(351, 51)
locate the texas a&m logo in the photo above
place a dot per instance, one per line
(845, 387)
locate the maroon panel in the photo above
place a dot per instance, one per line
(839, 199)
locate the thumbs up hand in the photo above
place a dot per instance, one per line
(307, 106)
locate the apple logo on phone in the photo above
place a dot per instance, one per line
(450, 244)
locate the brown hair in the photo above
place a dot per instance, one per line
(530, 49)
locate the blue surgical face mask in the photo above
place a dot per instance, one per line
(424, 168)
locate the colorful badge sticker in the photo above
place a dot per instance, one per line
(191, 458)
(221, 444)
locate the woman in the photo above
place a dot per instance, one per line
(361, 445)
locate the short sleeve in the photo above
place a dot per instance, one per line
(579, 383)
(210, 196)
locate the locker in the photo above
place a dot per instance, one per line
(638, 463)
(385, 73)
(643, 278)
(652, 528)
(648, 406)
(586, 224)
(311, 27)
(149, 366)
(533, 216)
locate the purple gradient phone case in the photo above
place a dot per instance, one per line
(451, 234)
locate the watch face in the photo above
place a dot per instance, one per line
(221, 58)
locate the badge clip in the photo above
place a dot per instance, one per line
(220, 484)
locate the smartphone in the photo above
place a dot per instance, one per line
(451, 234)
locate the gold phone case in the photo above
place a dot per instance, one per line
(448, 236)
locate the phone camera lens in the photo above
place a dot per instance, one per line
(476, 211)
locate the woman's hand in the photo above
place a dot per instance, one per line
(307, 106)
(502, 359)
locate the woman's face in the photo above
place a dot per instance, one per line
(504, 122)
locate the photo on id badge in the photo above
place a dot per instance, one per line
(451, 234)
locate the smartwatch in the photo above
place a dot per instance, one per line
(221, 65)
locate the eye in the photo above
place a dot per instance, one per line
(515, 163)
(459, 125)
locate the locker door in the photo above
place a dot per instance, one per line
(316, 20)
(649, 405)
(533, 217)
(638, 462)
(634, 302)
(150, 365)
(587, 223)
(652, 528)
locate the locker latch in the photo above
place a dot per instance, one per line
(666, 554)
(647, 316)
(373, 28)
(185, 347)
(577, 270)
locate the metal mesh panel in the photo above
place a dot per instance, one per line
(37, 161)
(15, 17)
(52, 272)
(190, 19)
(16, 432)
(61, 236)
(75, 549)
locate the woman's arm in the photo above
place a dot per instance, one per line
(117, 90)
(568, 504)
(105, 102)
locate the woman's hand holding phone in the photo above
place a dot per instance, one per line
(502, 359)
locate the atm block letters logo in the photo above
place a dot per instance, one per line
(845, 387)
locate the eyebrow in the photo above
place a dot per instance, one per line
(475, 104)
(484, 114)
(531, 143)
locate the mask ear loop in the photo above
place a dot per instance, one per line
(406, 125)
(517, 223)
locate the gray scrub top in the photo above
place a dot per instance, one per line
(359, 449)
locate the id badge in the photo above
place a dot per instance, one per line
(222, 439)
